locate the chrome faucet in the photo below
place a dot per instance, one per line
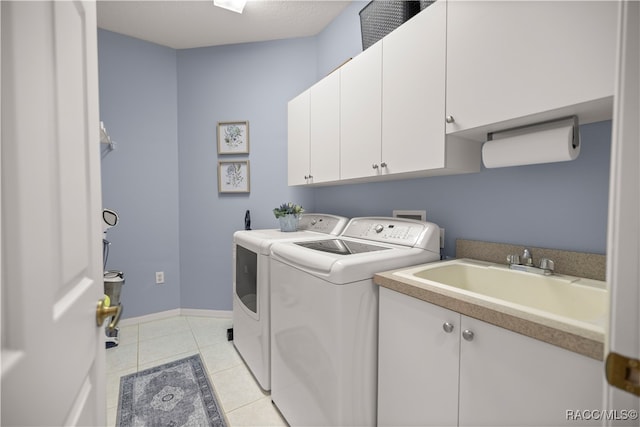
(525, 263)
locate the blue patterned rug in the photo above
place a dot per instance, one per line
(174, 394)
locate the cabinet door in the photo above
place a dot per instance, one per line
(417, 363)
(360, 114)
(298, 139)
(325, 129)
(510, 59)
(509, 379)
(413, 93)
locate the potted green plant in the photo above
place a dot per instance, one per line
(288, 215)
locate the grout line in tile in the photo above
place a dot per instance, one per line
(200, 349)
(233, 367)
(250, 403)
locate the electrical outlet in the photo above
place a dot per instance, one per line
(159, 277)
(441, 238)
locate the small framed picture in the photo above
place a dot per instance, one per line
(233, 176)
(233, 137)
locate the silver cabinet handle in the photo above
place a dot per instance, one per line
(450, 119)
(467, 335)
(448, 327)
(383, 164)
(374, 166)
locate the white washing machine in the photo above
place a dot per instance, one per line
(324, 317)
(251, 314)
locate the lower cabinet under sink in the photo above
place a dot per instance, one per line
(437, 367)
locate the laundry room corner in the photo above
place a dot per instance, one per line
(162, 107)
(138, 95)
(241, 83)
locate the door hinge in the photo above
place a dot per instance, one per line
(623, 372)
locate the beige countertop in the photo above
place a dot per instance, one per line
(587, 340)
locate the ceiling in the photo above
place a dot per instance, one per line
(182, 24)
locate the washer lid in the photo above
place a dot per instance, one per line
(341, 247)
(340, 269)
(311, 227)
(260, 241)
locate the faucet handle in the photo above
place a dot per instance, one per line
(513, 259)
(547, 264)
(527, 259)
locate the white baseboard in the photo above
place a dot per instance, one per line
(221, 314)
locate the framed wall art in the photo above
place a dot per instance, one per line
(233, 137)
(233, 176)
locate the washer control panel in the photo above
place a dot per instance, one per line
(399, 231)
(322, 223)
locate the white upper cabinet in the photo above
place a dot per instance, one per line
(314, 133)
(413, 93)
(298, 139)
(325, 130)
(511, 63)
(391, 107)
(420, 101)
(361, 114)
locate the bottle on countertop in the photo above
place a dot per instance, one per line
(247, 220)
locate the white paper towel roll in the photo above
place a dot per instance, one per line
(547, 146)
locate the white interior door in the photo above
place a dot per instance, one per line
(52, 350)
(623, 268)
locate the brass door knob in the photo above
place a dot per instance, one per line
(103, 311)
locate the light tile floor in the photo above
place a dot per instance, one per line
(149, 344)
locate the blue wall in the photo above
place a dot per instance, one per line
(555, 205)
(250, 82)
(138, 104)
(340, 40)
(162, 107)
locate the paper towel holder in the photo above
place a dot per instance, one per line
(544, 125)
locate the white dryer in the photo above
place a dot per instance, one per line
(251, 308)
(324, 317)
